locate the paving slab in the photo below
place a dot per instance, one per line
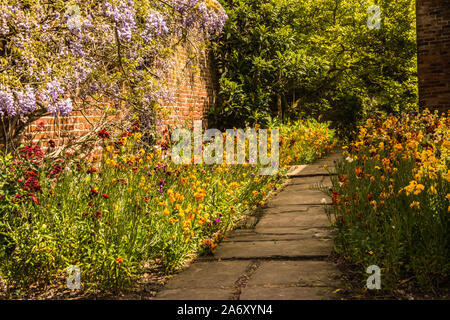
(210, 275)
(307, 248)
(297, 273)
(277, 234)
(283, 209)
(288, 293)
(313, 218)
(308, 181)
(315, 170)
(312, 186)
(306, 197)
(194, 294)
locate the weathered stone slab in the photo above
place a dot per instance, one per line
(305, 197)
(194, 294)
(289, 293)
(279, 234)
(274, 249)
(283, 209)
(298, 273)
(314, 170)
(313, 218)
(295, 169)
(211, 275)
(308, 180)
(308, 183)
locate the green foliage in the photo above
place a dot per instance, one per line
(295, 59)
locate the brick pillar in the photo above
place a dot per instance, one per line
(433, 41)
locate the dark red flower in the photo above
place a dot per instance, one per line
(55, 171)
(92, 170)
(52, 143)
(94, 192)
(32, 152)
(103, 134)
(32, 184)
(90, 203)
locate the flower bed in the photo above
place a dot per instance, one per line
(392, 199)
(304, 141)
(112, 216)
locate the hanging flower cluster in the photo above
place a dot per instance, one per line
(119, 50)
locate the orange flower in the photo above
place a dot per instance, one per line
(359, 172)
(119, 260)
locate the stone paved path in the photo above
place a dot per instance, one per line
(283, 257)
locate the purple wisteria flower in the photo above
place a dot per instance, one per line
(124, 15)
(7, 104)
(26, 100)
(155, 25)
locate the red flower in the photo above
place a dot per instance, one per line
(90, 203)
(31, 152)
(103, 134)
(55, 172)
(94, 192)
(52, 143)
(92, 170)
(32, 184)
(35, 200)
(164, 146)
(98, 214)
(105, 196)
(336, 198)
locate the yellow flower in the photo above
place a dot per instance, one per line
(433, 190)
(166, 212)
(415, 204)
(419, 189)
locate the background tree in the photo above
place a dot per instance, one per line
(293, 59)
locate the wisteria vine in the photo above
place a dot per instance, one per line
(54, 54)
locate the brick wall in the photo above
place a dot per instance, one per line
(433, 40)
(194, 88)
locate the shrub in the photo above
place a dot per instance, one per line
(298, 59)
